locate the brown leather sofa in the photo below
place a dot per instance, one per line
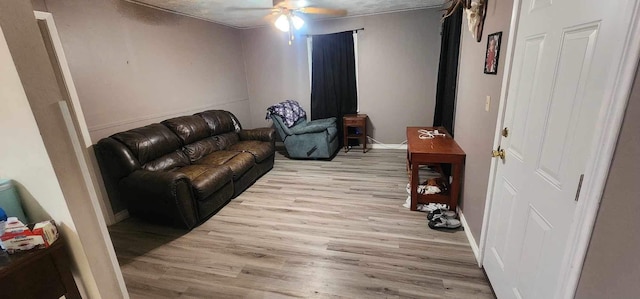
(183, 170)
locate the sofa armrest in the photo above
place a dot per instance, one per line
(260, 134)
(311, 128)
(160, 196)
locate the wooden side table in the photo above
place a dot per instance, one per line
(359, 122)
(439, 150)
(38, 273)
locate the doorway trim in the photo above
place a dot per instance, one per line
(78, 116)
(515, 18)
(597, 170)
(71, 110)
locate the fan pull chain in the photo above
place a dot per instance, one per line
(291, 36)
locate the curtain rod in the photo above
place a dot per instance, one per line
(354, 30)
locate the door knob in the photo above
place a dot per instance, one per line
(498, 153)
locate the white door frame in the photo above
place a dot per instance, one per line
(78, 117)
(79, 134)
(597, 168)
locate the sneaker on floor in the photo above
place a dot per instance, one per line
(444, 223)
(438, 213)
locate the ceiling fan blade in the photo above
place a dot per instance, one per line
(289, 4)
(323, 11)
(249, 8)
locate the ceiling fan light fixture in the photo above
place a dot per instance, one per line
(282, 23)
(298, 22)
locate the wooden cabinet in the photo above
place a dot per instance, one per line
(40, 273)
(355, 127)
(433, 152)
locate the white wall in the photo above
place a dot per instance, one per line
(398, 65)
(23, 158)
(134, 65)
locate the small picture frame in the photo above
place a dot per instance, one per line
(493, 53)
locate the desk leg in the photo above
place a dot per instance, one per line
(364, 139)
(409, 164)
(455, 186)
(345, 140)
(414, 186)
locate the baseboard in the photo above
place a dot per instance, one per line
(369, 146)
(120, 216)
(472, 240)
(387, 146)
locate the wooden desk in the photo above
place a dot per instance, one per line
(439, 150)
(39, 273)
(355, 121)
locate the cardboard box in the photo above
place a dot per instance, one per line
(48, 230)
(23, 243)
(14, 225)
(19, 237)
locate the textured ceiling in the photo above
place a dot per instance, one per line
(235, 14)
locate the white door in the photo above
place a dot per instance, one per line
(565, 53)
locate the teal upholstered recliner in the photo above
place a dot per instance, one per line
(317, 139)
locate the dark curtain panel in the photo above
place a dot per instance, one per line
(448, 72)
(333, 77)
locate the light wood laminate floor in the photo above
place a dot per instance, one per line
(306, 229)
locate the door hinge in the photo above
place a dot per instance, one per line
(579, 187)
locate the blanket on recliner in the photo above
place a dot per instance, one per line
(289, 110)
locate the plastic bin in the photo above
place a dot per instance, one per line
(10, 200)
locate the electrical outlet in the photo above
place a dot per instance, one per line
(487, 104)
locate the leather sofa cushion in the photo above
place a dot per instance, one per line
(115, 159)
(206, 179)
(259, 134)
(189, 128)
(259, 149)
(195, 151)
(219, 121)
(238, 162)
(149, 142)
(168, 162)
(226, 140)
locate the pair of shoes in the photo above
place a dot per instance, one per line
(443, 218)
(444, 222)
(438, 213)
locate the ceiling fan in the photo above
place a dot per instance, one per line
(285, 14)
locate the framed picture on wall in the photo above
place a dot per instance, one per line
(493, 51)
